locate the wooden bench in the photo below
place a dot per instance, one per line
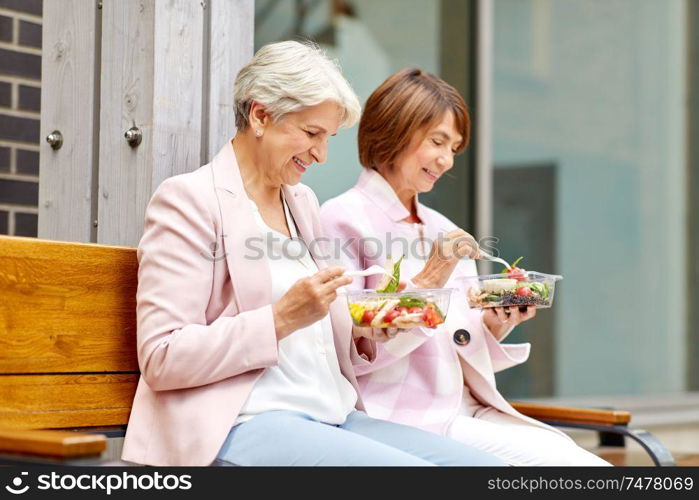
(68, 365)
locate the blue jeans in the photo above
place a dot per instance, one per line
(292, 438)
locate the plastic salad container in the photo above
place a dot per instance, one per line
(525, 289)
(407, 309)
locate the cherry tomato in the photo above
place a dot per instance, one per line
(391, 315)
(524, 291)
(401, 309)
(368, 317)
(415, 309)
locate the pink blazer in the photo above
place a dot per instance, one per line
(205, 325)
(417, 377)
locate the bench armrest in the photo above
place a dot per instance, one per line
(62, 444)
(573, 415)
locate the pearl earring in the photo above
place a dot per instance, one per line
(258, 132)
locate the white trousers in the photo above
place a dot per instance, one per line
(515, 441)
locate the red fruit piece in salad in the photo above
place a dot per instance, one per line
(391, 315)
(368, 316)
(523, 291)
(431, 318)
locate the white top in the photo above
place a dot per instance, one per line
(307, 377)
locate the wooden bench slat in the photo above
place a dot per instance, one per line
(66, 307)
(62, 444)
(62, 348)
(63, 401)
(573, 415)
(68, 419)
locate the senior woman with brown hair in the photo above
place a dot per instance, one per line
(413, 125)
(247, 359)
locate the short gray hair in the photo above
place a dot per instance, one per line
(287, 76)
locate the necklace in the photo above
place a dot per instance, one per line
(296, 248)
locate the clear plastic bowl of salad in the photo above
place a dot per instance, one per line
(524, 288)
(407, 309)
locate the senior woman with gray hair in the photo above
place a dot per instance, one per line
(246, 357)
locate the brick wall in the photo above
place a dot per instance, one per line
(20, 96)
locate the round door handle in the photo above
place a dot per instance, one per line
(55, 139)
(133, 136)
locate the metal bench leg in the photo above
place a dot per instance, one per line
(611, 439)
(660, 455)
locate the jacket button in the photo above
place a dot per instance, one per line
(462, 337)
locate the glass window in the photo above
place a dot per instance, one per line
(589, 120)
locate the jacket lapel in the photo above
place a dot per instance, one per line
(242, 241)
(302, 213)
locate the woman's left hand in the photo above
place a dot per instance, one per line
(376, 334)
(500, 320)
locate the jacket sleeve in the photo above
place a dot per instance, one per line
(505, 356)
(344, 240)
(363, 352)
(502, 355)
(177, 349)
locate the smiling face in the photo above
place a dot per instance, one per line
(429, 154)
(291, 145)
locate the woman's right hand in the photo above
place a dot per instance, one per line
(444, 256)
(308, 300)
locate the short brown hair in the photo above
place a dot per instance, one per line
(406, 103)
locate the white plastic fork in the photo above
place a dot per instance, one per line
(370, 271)
(486, 256)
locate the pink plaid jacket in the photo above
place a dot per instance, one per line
(418, 377)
